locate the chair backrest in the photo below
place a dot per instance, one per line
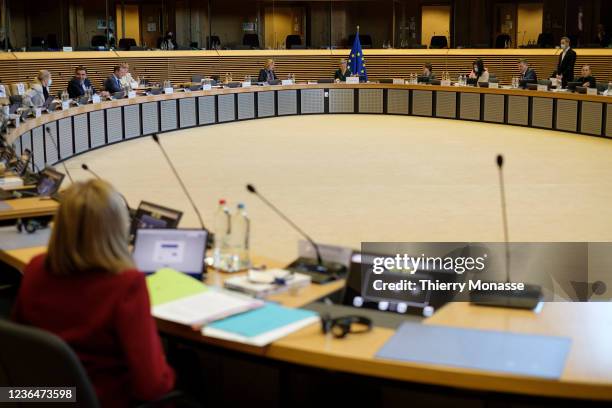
(502, 40)
(438, 41)
(35, 358)
(196, 78)
(292, 40)
(252, 40)
(127, 43)
(545, 40)
(98, 41)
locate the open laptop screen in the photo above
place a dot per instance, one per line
(179, 249)
(49, 182)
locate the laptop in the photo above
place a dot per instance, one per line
(181, 249)
(150, 215)
(49, 182)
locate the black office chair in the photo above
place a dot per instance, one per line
(32, 357)
(127, 43)
(292, 40)
(438, 41)
(98, 41)
(35, 358)
(37, 42)
(251, 40)
(545, 40)
(364, 39)
(52, 42)
(502, 40)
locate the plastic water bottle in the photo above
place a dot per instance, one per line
(223, 229)
(239, 239)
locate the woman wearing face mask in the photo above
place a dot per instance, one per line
(479, 72)
(39, 89)
(169, 43)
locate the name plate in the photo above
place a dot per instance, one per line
(398, 81)
(95, 98)
(20, 89)
(543, 88)
(286, 82)
(352, 80)
(65, 105)
(246, 84)
(168, 90)
(17, 121)
(131, 94)
(206, 87)
(591, 91)
(445, 83)
(67, 49)
(555, 82)
(493, 85)
(37, 112)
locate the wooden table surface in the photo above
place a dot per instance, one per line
(28, 207)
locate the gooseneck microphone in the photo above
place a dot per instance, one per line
(48, 134)
(502, 192)
(319, 267)
(527, 298)
(131, 211)
(178, 178)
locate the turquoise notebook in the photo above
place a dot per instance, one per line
(259, 321)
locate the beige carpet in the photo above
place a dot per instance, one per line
(353, 178)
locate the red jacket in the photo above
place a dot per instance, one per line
(107, 321)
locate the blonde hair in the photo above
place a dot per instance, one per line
(124, 65)
(43, 74)
(90, 231)
(268, 63)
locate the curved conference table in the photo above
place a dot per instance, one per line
(588, 371)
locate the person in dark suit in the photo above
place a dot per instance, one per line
(112, 84)
(527, 74)
(565, 66)
(587, 79)
(79, 84)
(87, 291)
(342, 72)
(428, 71)
(602, 38)
(267, 74)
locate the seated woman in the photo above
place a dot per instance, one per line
(343, 72)
(39, 90)
(127, 78)
(479, 72)
(267, 74)
(87, 291)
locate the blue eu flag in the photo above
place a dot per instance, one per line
(356, 61)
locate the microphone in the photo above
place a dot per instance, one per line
(131, 211)
(502, 193)
(48, 135)
(528, 298)
(90, 171)
(320, 272)
(178, 178)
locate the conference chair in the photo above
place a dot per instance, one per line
(364, 39)
(37, 42)
(502, 40)
(36, 358)
(98, 41)
(214, 42)
(52, 42)
(251, 40)
(438, 41)
(292, 41)
(545, 40)
(127, 43)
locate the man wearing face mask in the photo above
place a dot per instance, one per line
(565, 66)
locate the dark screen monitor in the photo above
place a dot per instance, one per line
(325, 81)
(581, 89)
(150, 215)
(571, 86)
(422, 79)
(274, 82)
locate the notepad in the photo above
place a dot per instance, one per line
(261, 326)
(179, 298)
(523, 354)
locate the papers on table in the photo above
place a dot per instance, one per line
(179, 298)
(261, 326)
(264, 283)
(8, 183)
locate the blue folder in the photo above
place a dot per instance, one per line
(523, 354)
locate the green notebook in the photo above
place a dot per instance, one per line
(168, 284)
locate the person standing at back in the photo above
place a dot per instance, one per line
(87, 291)
(567, 61)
